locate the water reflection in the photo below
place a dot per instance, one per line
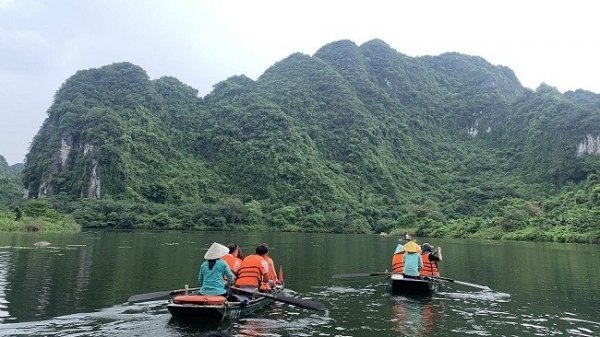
(183, 327)
(85, 276)
(279, 317)
(4, 267)
(258, 327)
(413, 316)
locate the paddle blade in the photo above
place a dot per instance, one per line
(350, 275)
(473, 285)
(157, 295)
(149, 296)
(463, 283)
(308, 304)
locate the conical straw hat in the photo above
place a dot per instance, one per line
(412, 247)
(216, 251)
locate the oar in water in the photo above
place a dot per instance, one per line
(289, 300)
(350, 275)
(460, 282)
(157, 295)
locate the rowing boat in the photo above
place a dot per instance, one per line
(220, 308)
(405, 285)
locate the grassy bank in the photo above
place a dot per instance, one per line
(36, 216)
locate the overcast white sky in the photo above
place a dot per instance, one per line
(202, 42)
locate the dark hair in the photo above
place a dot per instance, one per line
(211, 264)
(262, 249)
(232, 247)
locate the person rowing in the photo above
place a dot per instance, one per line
(430, 257)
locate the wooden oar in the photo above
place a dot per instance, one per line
(289, 300)
(350, 275)
(157, 295)
(460, 282)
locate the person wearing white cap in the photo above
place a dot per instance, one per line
(214, 270)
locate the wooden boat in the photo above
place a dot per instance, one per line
(405, 285)
(219, 308)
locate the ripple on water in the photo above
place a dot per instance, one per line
(477, 296)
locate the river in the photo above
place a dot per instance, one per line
(79, 285)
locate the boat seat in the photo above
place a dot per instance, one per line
(199, 299)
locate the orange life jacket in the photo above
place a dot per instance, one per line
(430, 268)
(231, 262)
(251, 272)
(397, 262)
(272, 274)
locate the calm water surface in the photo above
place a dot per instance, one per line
(78, 286)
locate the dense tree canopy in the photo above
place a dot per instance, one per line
(351, 139)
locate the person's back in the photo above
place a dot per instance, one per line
(411, 260)
(253, 270)
(213, 271)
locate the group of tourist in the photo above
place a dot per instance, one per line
(414, 261)
(226, 266)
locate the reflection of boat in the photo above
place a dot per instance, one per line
(413, 317)
(403, 285)
(219, 308)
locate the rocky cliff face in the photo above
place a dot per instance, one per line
(590, 145)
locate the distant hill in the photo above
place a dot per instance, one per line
(351, 139)
(9, 184)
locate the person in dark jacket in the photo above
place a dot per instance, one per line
(430, 257)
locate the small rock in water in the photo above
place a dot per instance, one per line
(42, 244)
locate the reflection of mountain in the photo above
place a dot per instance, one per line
(413, 317)
(43, 282)
(4, 266)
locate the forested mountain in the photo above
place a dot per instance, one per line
(351, 139)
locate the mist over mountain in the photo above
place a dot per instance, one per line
(351, 139)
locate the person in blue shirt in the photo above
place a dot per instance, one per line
(214, 270)
(412, 260)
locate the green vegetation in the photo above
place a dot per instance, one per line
(9, 184)
(36, 216)
(354, 139)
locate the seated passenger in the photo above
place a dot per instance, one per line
(272, 276)
(411, 260)
(213, 270)
(233, 259)
(254, 270)
(398, 258)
